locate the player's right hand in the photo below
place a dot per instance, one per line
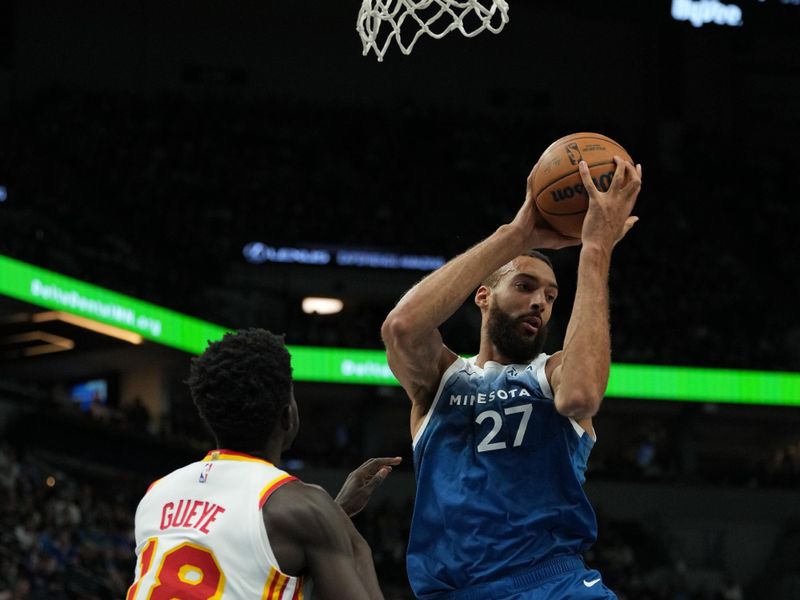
(360, 484)
(538, 232)
(608, 216)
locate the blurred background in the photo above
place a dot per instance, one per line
(169, 170)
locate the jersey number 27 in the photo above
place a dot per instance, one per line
(486, 444)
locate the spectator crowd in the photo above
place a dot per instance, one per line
(156, 197)
(65, 537)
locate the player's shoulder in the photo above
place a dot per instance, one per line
(297, 497)
(300, 510)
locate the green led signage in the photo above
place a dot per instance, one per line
(368, 367)
(339, 365)
(57, 292)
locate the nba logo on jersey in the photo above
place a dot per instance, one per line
(206, 471)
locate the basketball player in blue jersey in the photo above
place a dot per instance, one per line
(501, 440)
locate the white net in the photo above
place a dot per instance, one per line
(404, 21)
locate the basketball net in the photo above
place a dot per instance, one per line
(381, 21)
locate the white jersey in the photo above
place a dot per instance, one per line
(200, 534)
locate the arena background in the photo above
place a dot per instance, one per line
(192, 155)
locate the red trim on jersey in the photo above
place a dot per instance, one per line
(283, 586)
(222, 454)
(298, 590)
(268, 585)
(150, 487)
(271, 593)
(283, 479)
(147, 560)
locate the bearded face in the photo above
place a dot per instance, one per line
(514, 337)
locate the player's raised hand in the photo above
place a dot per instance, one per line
(545, 237)
(539, 233)
(608, 216)
(361, 483)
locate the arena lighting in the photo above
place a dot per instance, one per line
(109, 330)
(53, 343)
(702, 12)
(322, 306)
(53, 291)
(259, 253)
(368, 367)
(645, 382)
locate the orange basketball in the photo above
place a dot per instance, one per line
(557, 187)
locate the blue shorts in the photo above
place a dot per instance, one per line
(562, 578)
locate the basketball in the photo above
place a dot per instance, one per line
(557, 187)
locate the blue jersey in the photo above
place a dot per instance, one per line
(499, 479)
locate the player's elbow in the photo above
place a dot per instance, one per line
(361, 548)
(578, 404)
(395, 327)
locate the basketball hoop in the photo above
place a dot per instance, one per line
(436, 18)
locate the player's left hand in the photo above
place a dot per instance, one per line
(608, 216)
(360, 484)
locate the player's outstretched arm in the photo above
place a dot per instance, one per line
(414, 347)
(362, 482)
(580, 380)
(311, 535)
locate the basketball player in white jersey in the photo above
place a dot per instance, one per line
(235, 527)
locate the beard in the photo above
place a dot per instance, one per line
(504, 332)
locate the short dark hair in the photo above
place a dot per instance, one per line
(493, 279)
(240, 384)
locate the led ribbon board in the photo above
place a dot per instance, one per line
(54, 291)
(368, 367)
(339, 365)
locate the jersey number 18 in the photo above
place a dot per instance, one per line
(188, 571)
